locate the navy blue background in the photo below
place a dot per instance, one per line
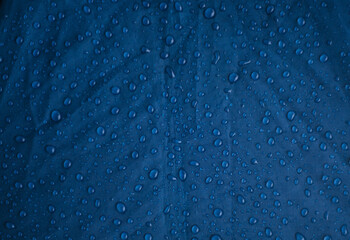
(174, 120)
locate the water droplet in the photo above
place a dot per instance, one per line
(101, 131)
(10, 225)
(67, 163)
(215, 237)
(218, 212)
(269, 184)
(56, 116)
(301, 21)
(153, 174)
(233, 77)
(195, 229)
(145, 21)
(254, 75)
(323, 58)
(120, 207)
(291, 115)
(299, 236)
(209, 13)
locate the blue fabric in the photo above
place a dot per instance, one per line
(174, 120)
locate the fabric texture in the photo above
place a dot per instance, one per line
(186, 120)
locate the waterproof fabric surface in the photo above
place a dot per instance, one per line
(174, 120)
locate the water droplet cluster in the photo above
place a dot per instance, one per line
(174, 120)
